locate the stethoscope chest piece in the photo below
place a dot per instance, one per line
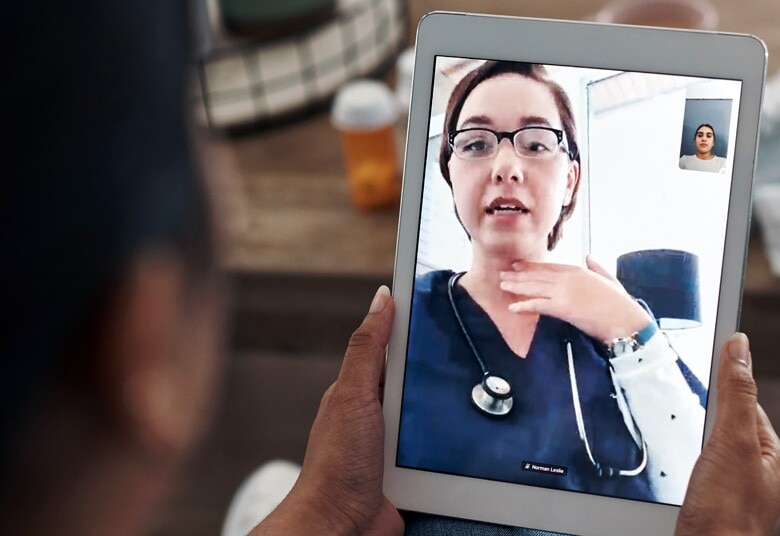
(493, 395)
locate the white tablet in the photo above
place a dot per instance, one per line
(571, 248)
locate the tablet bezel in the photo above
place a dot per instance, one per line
(652, 50)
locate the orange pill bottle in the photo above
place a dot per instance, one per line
(365, 112)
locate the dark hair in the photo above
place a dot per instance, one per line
(534, 71)
(696, 132)
(102, 172)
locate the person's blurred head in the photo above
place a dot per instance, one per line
(109, 274)
(541, 157)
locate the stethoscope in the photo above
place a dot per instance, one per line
(493, 395)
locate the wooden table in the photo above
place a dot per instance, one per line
(294, 242)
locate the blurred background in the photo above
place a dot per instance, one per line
(303, 256)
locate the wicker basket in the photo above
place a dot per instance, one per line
(240, 82)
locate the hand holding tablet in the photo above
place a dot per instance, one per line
(511, 377)
(735, 486)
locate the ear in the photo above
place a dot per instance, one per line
(143, 358)
(572, 180)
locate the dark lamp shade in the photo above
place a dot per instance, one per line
(668, 281)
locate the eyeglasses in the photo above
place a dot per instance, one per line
(529, 142)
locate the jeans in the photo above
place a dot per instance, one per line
(431, 525)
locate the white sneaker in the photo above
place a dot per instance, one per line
(258, 495)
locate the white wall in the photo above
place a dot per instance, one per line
(641, 199)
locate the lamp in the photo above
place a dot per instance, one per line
(668, 281)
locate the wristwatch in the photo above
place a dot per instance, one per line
(628, 345)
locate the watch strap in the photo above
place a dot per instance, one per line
(644, 335)
(632, 343)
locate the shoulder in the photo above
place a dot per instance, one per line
(432, 282)
(684, 161)
(430, 296)
(429, 321)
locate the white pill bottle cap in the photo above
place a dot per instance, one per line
(364, 105)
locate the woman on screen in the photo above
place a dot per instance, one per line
(704, 159)
(524, 371)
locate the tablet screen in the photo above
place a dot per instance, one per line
(568, 267)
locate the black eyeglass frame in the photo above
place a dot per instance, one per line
(510, 135)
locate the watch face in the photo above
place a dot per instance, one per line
(622, 346)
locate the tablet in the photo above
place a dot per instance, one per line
(573, 228)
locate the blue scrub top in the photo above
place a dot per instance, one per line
(442, 430)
